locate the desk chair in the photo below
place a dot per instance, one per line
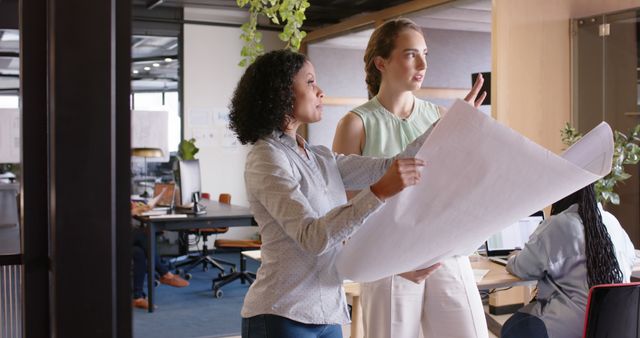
(613, 310)
(9, 210)
(203, 257)
(234, 246)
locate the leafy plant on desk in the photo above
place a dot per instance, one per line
(625, 151)
(289, 13)
(187, 149)
(13, 168)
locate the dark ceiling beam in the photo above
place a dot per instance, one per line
(9, 55)
(371, 19)
(206, 23)
(154, 58)
(134, 77)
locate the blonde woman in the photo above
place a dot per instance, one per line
(447, 304)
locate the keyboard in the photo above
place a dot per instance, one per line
(498, 260)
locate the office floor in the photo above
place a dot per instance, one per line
(346, 328)
(194, 312)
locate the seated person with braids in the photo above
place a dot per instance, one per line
(579, 246)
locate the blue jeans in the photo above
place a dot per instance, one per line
(272, 326)
(139, 257)
(524, 325)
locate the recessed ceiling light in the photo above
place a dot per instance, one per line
(156, 65)
(135, 71)
(168, 59)
(147, 68)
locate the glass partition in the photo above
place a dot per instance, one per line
(606, 64)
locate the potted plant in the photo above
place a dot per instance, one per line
(625, 151)
(187, 149)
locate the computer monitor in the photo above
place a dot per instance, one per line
(513, 237)
(189, 179)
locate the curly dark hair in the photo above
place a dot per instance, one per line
(263, 100)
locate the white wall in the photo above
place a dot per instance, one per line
(211, 72)
(453, 56)
(340, 73)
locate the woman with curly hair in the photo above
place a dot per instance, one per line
(579, 246)
(297, 195)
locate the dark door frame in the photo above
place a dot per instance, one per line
(75, 84)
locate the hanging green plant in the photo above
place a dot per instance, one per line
(289, 13)
(625, 151)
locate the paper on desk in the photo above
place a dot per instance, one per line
(480, 177)
(479, 274)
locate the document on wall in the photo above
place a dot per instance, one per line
(480, 177)
(9, 135)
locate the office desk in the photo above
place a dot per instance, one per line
(218, 215)
(498, 277)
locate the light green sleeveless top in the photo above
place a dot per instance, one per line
(386, 134)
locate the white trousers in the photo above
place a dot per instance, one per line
(446, 305)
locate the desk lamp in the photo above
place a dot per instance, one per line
(146, 153)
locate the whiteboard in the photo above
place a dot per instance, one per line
(9, 135)
(150, 129)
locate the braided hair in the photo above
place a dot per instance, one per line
(602, 264)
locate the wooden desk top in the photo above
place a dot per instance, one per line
(497, 277)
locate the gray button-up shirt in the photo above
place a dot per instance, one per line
(555, 256)
(301, 208)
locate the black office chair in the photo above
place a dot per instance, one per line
(230, 245)
(613, 310)
(243, 275)
(203, 257)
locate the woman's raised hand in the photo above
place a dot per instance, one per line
(401, 174)
(472, 98)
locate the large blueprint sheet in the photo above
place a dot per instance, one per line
(480, 177)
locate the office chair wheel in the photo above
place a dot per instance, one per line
(233, 269)
(218, 293)
(179, 272)
(187, 276)
(221, 274)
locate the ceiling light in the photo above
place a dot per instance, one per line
(147, 68)
(153, 3)
(168, 59)
(135, 71)
(156, 65)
